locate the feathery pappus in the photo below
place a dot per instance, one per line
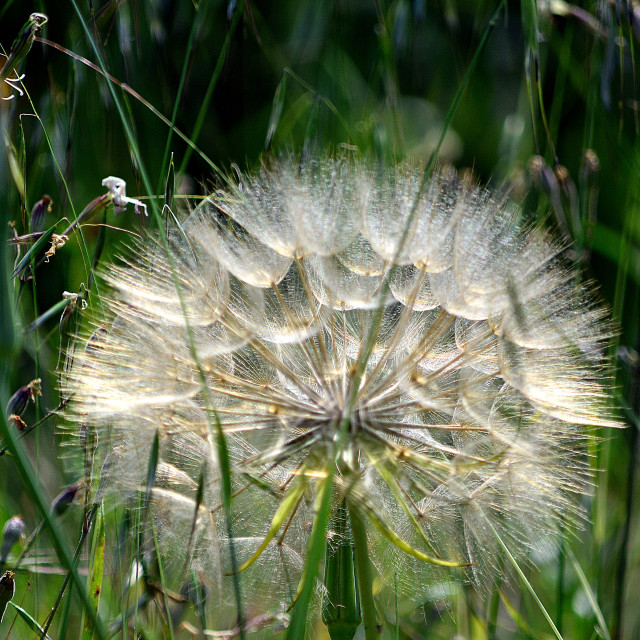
(413, 339)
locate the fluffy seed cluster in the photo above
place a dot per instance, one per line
(416, 340)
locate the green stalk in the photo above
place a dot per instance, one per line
(317, 544)
(341, 605)
(372, 630)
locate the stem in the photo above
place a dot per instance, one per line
(341, 607)
(372, 630)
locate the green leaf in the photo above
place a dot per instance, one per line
(49, 313)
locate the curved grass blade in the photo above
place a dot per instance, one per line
(31, 622)
(591, 596)
(396, 540)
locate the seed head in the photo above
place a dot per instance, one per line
(414, 339)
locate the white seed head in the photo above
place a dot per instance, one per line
(418, 337)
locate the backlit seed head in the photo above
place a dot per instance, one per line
(417, 340)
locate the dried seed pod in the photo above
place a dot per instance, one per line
(38, 213)
(7, 591)
(19, 401)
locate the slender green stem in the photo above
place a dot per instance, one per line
(341, 606)
(317, 544)
(372, 629)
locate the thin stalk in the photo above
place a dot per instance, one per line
(372, 629)
(341, 607)
(204, 105)
(86, 526)
(317, 545)
(560, 581)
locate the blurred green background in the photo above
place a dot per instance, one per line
(242, 79)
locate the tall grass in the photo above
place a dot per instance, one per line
(169, 96)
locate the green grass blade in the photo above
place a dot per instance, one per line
(524, 579)
(32, 486)
(204, 105)
(97, 571)
(31, 623)
(162, 581)
(199, 17)
(591, 596)
(34, 251)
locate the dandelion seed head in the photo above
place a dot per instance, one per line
(418, 336)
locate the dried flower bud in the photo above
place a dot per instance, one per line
(64, 499)
(38, 214)
(20, 399)
(590, 162)
(12, 532)
(57, 242)
(20, 424)
(7, 591)
(542, 175)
